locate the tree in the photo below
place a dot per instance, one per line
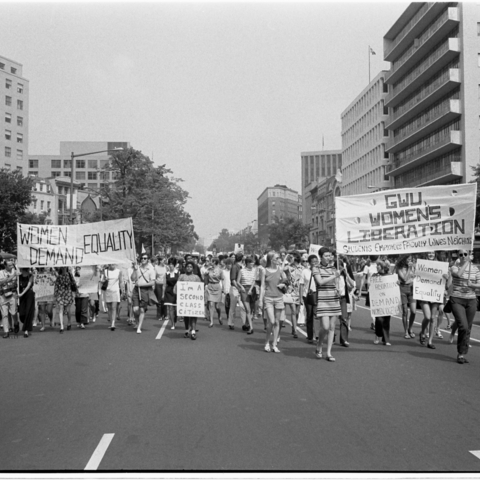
(15, 197)
(32, 218)
(289, 231)
(151, 196)
(476, 171)
(225, 242)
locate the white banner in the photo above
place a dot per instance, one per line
(88, 280)
(384, 294)
(429, 284)
(190, 299)
(97, 243)
(313, 250)
(44, 287)
(409, 220)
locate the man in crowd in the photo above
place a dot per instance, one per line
(9, 297)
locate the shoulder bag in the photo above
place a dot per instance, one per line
(311, 297)
(105, 282)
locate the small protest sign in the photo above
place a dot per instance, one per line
(190, 299)
(429, 284)
(44, 287)
(238, 247)
(384, 295)
(89, 278)
(313, 250)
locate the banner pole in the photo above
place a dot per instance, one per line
(138, 266)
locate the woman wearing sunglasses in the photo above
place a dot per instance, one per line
(466, 284)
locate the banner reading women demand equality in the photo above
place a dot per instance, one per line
(408, 220)
(97, 243)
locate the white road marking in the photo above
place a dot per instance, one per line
(419, 323)
(99, 452)
(475, 452)
(160, 333)
(298, 328)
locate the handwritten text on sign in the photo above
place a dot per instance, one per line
(70, 245)
(408, 220)
(44, 287)
(190, 299)
(313, 250)
(429, 284)
(385, 296)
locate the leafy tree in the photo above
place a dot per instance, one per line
(151, 196)
(15, 197)
(225, 242)
(289, 231)
(32, 218)
(476, 171)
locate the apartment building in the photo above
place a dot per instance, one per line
(277, 202)
(13, 115)
(87, 170)
(364, 159)
(434, 94)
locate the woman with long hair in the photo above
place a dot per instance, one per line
(271, 295)
(246, 287)
(64, 296)
(213, 289)
(405, 269)
(328, 303)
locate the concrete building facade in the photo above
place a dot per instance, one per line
(434, 94)
(277, 202)
(364, 159)
(88, 170)
(14, 90)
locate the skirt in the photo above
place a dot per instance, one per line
(214, 292)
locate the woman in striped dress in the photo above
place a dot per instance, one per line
(328, 304)
(246, 286)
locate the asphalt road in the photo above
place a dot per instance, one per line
(222, 403)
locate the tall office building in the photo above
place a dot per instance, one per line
(14, 115)
(88, 170)
(434, 94)
(364, 159)
(277, 202)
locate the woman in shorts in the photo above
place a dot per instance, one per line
(405, 269)
(246, 287)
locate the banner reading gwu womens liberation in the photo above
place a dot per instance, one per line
(407, 220)
(96, 243)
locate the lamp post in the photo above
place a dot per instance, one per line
(72, 170)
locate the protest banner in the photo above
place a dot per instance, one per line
(44, 287)
(190, 299)
(429, 284)
(89, 278)
(96, 243)
(384, 295)
(408, 220)
(238, 247)
(313, 250)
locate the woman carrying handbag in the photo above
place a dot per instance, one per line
(309, 297)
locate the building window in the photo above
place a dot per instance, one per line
(385, 110)
(56, 164)
(19, 137)
(92, 175)
(60, 190)
(385, 88)
(49, 205)
(67, 174)
(42, 204)
(8, 101)
(386, 155)
(31, 172)
(13, 70)
(385, 132)
(104, 163)
(33, 164)
(20, 104)
(8, 83)
(56, 174)
(67, 164)
(19, 154)
(19, 88)
(20, 121)
(105, 176)
(2, 66)
(80, 175)
(34, 204)
(80, 164)
(8, 118)
(8, 152)
(93, 164)
(8, 134)
(41, 187)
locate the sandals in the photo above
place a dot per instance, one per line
(267, 348)
(412, 335)
(330, 358)
(407, 336)
(318, 354)
(422, 339)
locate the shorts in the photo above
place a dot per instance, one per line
(273, 303)
(143, 301)
(406, 292)
(9, 307)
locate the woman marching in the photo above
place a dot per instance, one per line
(169, 296)
(27, 300)
(405, 269)
(328, 304)
(430, 311)
(382, 324)
(64, 296)
(213, 289)
(246, 286)
(113, 282)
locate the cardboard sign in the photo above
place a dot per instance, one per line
(313, 250)
(190, 299)
(429, 284)
(385, 296)
(239, 247)
(407, 220)
(44, 287)
(96, 243)
(88, 280)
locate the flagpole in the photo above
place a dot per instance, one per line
(369, 64)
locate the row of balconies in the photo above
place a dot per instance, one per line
(437, 176)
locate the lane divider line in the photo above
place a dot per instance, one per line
(99, 452)
(160, 333)
(298, 328)
(475, 452)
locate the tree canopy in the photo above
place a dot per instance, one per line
(225, 242)
(15, 197)
(286, 232)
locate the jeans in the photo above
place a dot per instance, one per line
(81, 309)
(382, 328)
(463, 310)
(309, 317)
(161, 310)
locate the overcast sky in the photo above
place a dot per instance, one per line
(226, 95)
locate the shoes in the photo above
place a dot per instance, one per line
(42, 329)
(318, 354)
(345, 344)
(309, 340)
(330, 358)
(388, 344)
(220, 322)
(267, 348)
(295, 335)
(61, 330)
(461, 359)
(185, 335)
(438, 333)
(250, 332)
(193, 336)
(172, 327)
(138, 330)
(412, 335)
(432, 346)
(16, 328)
(6, 335)
(211, 325)
(372, 326)
(376, 341)
(244, 328)
(422, 339)
(25, 335)
(69, 327)
(275, 349)
(112, 329)
(82, 326)
(231, 327)
(452, 337)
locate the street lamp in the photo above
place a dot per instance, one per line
(72, 170)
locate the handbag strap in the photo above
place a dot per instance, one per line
(310, 282)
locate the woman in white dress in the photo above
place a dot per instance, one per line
(112, 292)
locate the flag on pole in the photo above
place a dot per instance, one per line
(143, 249)
(371, 50)
(338, 176)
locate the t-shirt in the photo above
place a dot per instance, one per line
(369, 271)
(234, 272)
(460, 288)
(13, 284)
(226, 281)
(160, 273)
(145, 275)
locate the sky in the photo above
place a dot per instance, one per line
(227, 95)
